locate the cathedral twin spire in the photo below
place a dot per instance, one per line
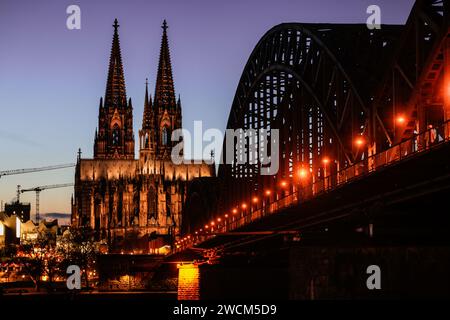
(163, 114)
(114, 138)
(164, 91)
(115, 86)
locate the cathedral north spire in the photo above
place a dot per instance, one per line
(115, 138)
(164, 91)
(115, 87)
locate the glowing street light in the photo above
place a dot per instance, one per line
(359, 141)
(244, 205)
(234, 211)
(283, 184)
(255, 199)
(400, 119)
(268, 192)
(325, 161)
(302, 173)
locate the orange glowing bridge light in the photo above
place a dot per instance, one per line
(244, 205)
(283, 183)
(400, 119)
(212, 223)
(255, 199)
(206, 226)
(359, 141)
(219, 219)
(226, 215)
(234, 211)
(268, 192)
(302, 173)
(326, 160)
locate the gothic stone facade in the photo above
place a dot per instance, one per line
(134, 204)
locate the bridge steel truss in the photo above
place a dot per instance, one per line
(333, 92)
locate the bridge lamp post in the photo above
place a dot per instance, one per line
(227, 222)
(255, 201)
(266, 201)
(284, 186)
(326, 162)
(244, 207)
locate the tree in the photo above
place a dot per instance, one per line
(77, 247)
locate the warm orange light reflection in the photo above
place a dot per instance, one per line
(188, 282)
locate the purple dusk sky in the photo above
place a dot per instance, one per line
(51, 78)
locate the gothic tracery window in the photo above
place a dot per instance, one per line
(151, 203)
(165, 136)
(116, 135)
(146, 144)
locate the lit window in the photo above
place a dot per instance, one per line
(116, 135)
(17, 227)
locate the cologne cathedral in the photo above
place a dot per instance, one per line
(135, 205)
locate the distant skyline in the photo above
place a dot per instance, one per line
(51, 78)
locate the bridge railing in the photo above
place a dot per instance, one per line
(419, 143)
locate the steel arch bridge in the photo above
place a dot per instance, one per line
(340, 95)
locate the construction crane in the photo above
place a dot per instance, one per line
(38, 191)
(29, 170)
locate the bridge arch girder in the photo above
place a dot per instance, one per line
(293, 61)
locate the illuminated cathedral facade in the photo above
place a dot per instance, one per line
(135, 204)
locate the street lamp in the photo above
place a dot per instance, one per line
(302, 173)
(400, 119)
(359, 141)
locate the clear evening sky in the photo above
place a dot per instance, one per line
(51, 78)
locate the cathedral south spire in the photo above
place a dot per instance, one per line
(115, 138)
(164, 115)
(164, 91)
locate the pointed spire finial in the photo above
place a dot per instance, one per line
(116, 25)
(115, 87)
(164, 92)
